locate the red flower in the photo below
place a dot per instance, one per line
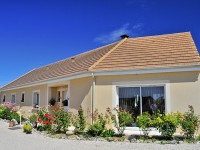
(39, 119)
(47, 115)
(54, 123)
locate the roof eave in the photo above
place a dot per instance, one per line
(165, 69)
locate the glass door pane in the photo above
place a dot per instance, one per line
(129, 99)
(153, 99)
(13, 99)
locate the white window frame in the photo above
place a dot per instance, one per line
(140, 86)
(165, 83)
(35, 91)
(12, 97)
(24, 97)
(115, 95)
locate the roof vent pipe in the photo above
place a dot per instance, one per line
(124, 36)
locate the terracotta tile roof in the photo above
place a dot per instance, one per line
(69, 66)
(132, 53)
(152, 52)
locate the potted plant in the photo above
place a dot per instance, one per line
(12, 123)
(27, 127)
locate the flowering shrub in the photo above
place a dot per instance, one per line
(62, 120)
(9, 111)
(44, 120)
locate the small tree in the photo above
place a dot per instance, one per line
(190, 123)
(79, 121)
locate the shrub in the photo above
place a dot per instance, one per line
(108, 133)
(99, 124)
(24, 127)
(79, 121)
(121, 119)
(8, 111)
(96, 129)
(33, 118)
(62, 120)
(144, 122)
(15, 115)
(198, 137)
(27, 128)
(44, 120)
(190, 123)
(166, 124)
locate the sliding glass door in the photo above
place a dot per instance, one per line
(129, 99)
(153, 99)
(141, 99)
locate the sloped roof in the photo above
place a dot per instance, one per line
(133, 53)
(152, 51)
(69, 66)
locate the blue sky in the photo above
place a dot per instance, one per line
(34, 33)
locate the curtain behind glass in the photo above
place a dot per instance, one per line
(129, 99)
(153, 99)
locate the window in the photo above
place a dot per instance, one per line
(13, 98)
(36, 99)
(4, 98)
(142, 99)
(23, 97)
(58, 96)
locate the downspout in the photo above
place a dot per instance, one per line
(93, 91)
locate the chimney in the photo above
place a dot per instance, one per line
(73, 59)
(124, 36)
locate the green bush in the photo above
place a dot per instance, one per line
(190, 123)
(33, 118)
(6, 112)
(121, 119)
(96, 129)
(79, 121)
(15, 115)
(44, 120)
(99, 124)
(144, 122)
(1, 111)
(166, 124)
(27, 128)
(198, 137)
(62, 120)
(108, 133)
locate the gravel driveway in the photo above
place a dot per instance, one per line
(15, 139)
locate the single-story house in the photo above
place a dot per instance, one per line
(137, 74)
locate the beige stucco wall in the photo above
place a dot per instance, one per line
(81, 95)
(27, 104)
(182, 89)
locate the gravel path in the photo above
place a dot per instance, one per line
(15, 139)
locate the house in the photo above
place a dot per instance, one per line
(137, 74)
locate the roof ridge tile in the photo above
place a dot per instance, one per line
(107, 54)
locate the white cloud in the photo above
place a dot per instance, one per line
(112, 36)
